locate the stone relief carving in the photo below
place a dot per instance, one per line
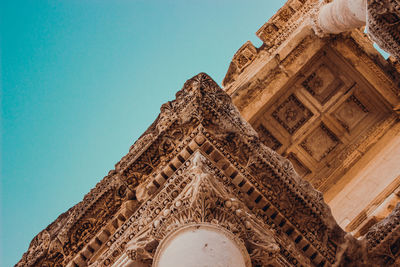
(351, 112)
(274, 32)
(237, 147)
(200, 164)
(320, 142)
(67, 236)
(383, 240)
(37, 249)
(292, 114)
(290, 17)
(195, 197)
(267, 138)
(384, 24)
(322, 83)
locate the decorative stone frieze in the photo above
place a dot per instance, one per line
(384, 24)
(383, 240)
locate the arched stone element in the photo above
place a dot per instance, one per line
(201, 245)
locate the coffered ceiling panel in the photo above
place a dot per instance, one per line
(320, 116)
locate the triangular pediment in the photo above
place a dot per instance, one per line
(198, 163)
(199, 193)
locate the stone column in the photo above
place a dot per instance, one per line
(342, 15)
(382, 18)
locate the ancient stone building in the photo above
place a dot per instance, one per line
(295, 162)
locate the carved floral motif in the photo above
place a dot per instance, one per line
(292, 114)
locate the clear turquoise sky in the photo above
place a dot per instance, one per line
(82, 79)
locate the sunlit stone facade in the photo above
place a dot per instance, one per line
(294, 162)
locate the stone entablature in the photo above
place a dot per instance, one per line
(302, 87)
(199, 163)
(227, 151)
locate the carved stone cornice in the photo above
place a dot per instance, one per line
(384, 24)
(231, 152)
(288, 18)
(275, 32)
(66, 236)
(383, 240)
